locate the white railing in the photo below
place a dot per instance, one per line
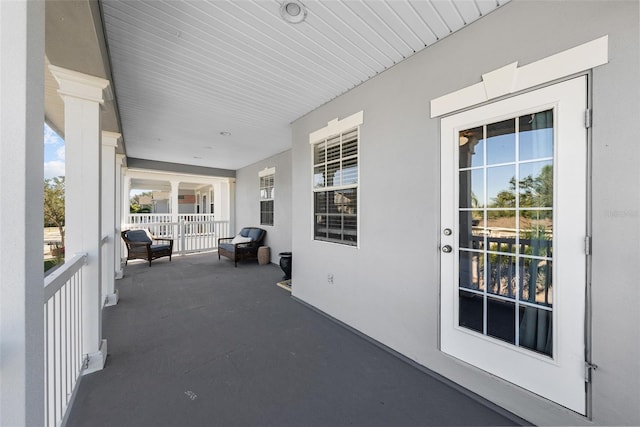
(192, 233)
(64, 357)
(147, 218)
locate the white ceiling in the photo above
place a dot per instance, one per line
(185, 71)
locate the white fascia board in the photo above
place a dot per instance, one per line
(335, 126)
(511, 78)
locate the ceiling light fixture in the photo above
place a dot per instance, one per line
(293, 11)
(225, 133)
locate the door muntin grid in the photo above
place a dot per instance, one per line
(505, 215)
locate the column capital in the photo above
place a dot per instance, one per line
(79, 85)
(111, 139)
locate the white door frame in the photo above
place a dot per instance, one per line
(559, 378)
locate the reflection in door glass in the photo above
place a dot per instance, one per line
(506, 230)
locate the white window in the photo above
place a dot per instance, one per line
(267, 192)
(335, 180)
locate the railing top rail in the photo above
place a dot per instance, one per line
(56, 280)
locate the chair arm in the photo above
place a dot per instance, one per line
(224, 238)
(163, 239)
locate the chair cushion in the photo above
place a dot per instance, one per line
(159, 248)
(227, 247)
(255, 233)
(244, 232)
(138, 236)
(241, 239)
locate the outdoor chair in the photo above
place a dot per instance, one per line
(243, 246)
(141, 244)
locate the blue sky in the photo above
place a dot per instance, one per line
(53, 153)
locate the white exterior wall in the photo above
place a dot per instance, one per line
(388, 288)
(248, 202)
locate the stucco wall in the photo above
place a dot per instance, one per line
(388, 288)
(248, 201)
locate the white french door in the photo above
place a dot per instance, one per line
(513, 262)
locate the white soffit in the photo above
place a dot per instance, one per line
(511, 78)
(185, 71)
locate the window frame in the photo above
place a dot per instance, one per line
(337, 128)
(268, 196)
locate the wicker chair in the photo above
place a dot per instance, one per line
(243, 246)
(143, 245)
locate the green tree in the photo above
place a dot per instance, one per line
(136, 207)
(54, 204)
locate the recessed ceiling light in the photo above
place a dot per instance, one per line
(225, 133)
(293, 11)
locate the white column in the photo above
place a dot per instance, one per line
(21, 183)
(126, 195)
(120, 159)
(83, 96)
(110, 141)
(175, 187)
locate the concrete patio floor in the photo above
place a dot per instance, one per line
(197, 342)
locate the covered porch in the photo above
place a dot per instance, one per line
(199, 342)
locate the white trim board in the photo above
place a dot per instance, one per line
(511, 78)
(336, 126)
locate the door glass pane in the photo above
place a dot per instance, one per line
(471, 148)
(472, 182)
(501, 142)
(502, 275)
(501, 187)
(472, 229)
(505, 223)
(472, 270)
(536, 332)
(471, 311)
(536, 184)
(501, 319)
(536, 135)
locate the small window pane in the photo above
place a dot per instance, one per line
(536, 135)
(471, 311)
(472, 270)
(501, 317)
(473, 180)
(501, 142)
(471, 149)
(501, 187)
(502, 275)
(471, 225)
(536, 184)
(319, 153)
(318, 176)
(536, 329)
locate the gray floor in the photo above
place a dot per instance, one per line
(197, 342)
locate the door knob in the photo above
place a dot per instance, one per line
(446, 249)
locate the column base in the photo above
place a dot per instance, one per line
(111, 299)
(96, 361)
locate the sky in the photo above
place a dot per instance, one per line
(53, 153)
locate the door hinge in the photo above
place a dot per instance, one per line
(587, 245)
(588, 370)
(588, 116)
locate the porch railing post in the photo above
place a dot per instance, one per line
(183, 237)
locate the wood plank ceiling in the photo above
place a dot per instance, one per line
(187, 72)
